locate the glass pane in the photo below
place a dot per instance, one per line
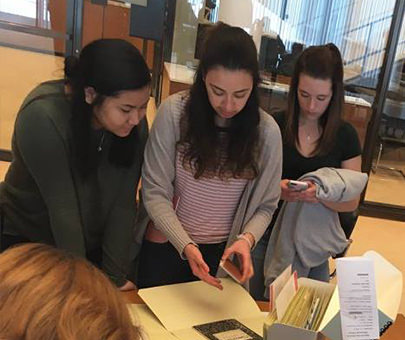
(112, 21)
(387, 180)
(45, 15)
(188, 14)
(22, 70)
(32, 46)
(49, 14)
(32, 42)
(283, 28)
(20, 11)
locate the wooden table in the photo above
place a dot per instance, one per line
(395, 332)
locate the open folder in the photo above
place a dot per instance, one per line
(182, 311)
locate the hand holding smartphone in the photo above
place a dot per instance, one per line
(297, 185)
(232, 270)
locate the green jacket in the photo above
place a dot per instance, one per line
(45, 199)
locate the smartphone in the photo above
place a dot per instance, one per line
(297, 185)
(232, 270)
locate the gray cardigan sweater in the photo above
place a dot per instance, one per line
(311, 232)
(258, 201)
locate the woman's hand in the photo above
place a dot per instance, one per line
(242, 249)
(308, 195)
(288, 194)
(127, 286)
(199, 267)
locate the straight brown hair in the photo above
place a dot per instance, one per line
(319, 62)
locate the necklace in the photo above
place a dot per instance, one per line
(307, 134)
(100, 145)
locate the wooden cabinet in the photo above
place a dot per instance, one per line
(359, 116)
(111, 21)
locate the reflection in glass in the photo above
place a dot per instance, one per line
(28, 27)
(185, 30)
(44, 16)
(28, 12)
(387, 180)
(358, 28)
(21, 8)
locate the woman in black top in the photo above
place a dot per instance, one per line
(314, 136)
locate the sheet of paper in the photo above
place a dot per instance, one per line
(332, 309)
(389, 284)
(277, 285)
(181, 306)
(286, 295)
(142, 315)
(358, 302)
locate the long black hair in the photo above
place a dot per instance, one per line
(109, 66)
(319, 62)
(233, 49)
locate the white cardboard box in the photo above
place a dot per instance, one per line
(389, 291)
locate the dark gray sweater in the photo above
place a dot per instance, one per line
(45, 199)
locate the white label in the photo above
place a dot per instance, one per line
(234, 334)
(357, 297)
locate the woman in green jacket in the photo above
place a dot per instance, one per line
(77, 155)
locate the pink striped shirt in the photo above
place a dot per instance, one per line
(206, 206)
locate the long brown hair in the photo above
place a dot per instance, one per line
(319, 62)
(46, 293)
(232, 48)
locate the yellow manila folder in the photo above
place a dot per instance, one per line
(142, 315)
(179, 307)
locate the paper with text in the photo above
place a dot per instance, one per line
(357, 297)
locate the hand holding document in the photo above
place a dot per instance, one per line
(241, 247)
(231, 269)
(177, 311)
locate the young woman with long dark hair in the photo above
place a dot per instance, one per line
(314, 136)
(212, 168)
(77, 156)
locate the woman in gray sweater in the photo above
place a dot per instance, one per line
(77, 154)
(212, 168)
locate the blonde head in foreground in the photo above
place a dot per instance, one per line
(46, 293)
